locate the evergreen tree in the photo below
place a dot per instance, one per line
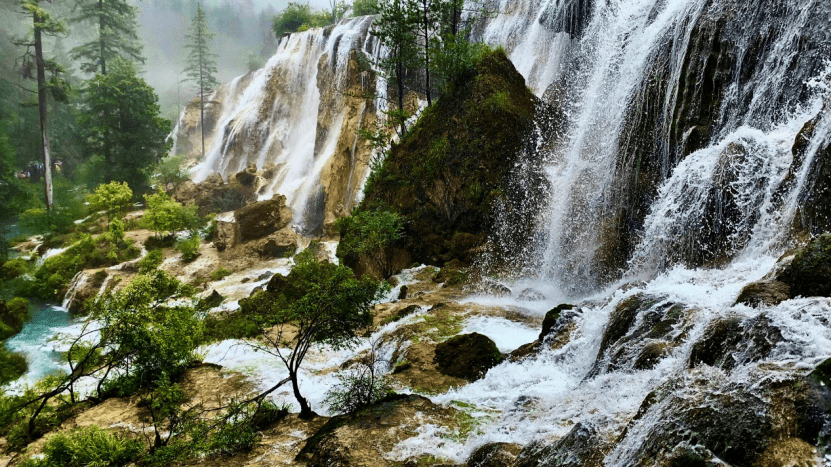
(132, 129)
(117, 37)
(201, 64)
(43, 24)
(394, 29)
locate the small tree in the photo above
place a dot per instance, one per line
(112, 197)
(370, 234)
(201, 65)
(165, 215)
(360, 386)
(364, 7)
(316, 303)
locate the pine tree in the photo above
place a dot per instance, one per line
(117, 37)
(201, 64)
(43, 24)
(394, 28)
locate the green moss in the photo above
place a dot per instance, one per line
(220, 274)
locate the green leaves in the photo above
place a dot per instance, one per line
(115, 22)
(121, 121)
(166, 215)
(201, 64)
(370, 233)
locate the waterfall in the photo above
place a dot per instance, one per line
(296, 119)
(681, 123)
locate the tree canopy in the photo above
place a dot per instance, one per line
(117, 37)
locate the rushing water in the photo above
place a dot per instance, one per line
(42, 340)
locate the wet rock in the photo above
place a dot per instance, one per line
(552, 317)
(85, 288)
(730, 342)
(264, 276)
(227, 232)
(211, 301)
(651, 355)
(809, 274)
(248, 177)
(467, 356)
(494, 455)
(769, 293)
(531, 295)
(263, 218)
(214, 195)
(281, 244)
(402, 292)
(453, 273)
(525, 351)
(489, 286)
(581, 447)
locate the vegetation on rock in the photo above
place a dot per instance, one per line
(467, 356)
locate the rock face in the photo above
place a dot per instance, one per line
(809, 274)
(494, 455)
(447, 186)
(581, 447)
(770, 292)
(467, 356)
(214, 195)
(731, 342)
(262, 218)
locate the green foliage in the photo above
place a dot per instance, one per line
(371, 233)
(13, 268)
(53, 276)
(230, 325)
(171, 171)
(165, 215)
(69, 206)
(153, 334)
(360, 386)
(121, 122)
(324, 301)
(189, 247)
(89, 446)
(13, 315)
(12, 365)
(220, 274)
(114, 21)
(299, 17)
(201, 64)
(150, 262)
(364, 7)
(111, 197)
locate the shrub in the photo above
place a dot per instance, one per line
(12, 269)
(13, 314)
(170, 171)
(361, 386)
(299, 17)
(220, 274)
(12, 365)
(90, 446)
(189, 247)
(111, 197)
(370, 234)
(150, 262)
(364, 7)
(165, 215)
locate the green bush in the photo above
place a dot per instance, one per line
(220, 274)
(370, 233)
(12, 269)
(150, 262)
(165, 215)
(12, 365)
(189, 247)
(90, 446)
(364, 7)
(299, 17)
(171, 171)
(13, 315)
(111, 197)
(229, 325)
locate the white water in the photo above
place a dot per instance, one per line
(288, 117)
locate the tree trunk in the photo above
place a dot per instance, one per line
(427, 55)
(101, 45)
(44, 124)
(305, 410)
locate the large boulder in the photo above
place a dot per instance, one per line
(494, 455)
(809, 274)
(583, 446)
(552, 317)
(227, 231)
(467, 356)
(729, 342)
(262, 218)
(470, 153)
(214, 195)
(766, 292)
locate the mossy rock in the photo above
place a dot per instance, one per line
(583, 446)
(651, 355)
(809, 274)
(769, 293)
(729, 342)
(467, 356)
(551, 318)
(494, 455)
(458, 163)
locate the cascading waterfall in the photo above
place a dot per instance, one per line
(296, 118)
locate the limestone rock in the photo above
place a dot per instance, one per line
(581, 447)
(85, 287)
(552, 317)
(729, 342)
(262, 218)
(467, 356)
(227, 231)
(764, 293)
(494, 455)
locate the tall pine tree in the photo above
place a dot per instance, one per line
(117, 37)
(394, 28)
(201, 64)
(42, 25)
